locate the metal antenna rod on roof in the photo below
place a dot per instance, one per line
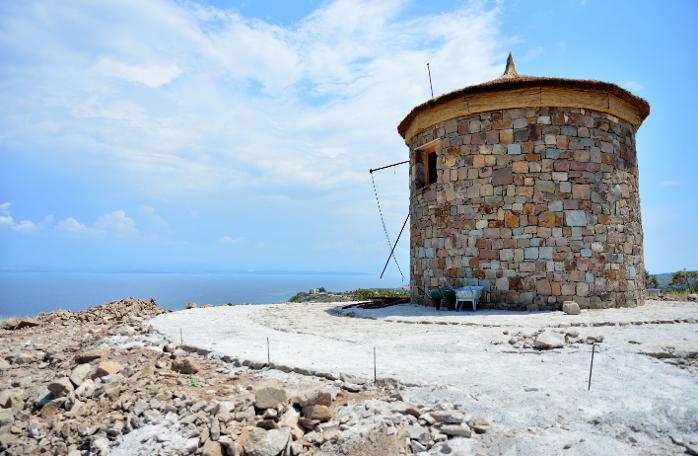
(431, 87)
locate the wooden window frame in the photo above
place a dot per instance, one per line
(425, 150)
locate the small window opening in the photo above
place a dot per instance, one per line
(431, 173)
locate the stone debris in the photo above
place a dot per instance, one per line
(107, 368)
(185, 366)
(61, 387)
(548, 340)
(269, 397)
(128, 391)
(20, 323)
(571, 308)
(80, 373)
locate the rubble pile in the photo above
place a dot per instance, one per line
(100, 381)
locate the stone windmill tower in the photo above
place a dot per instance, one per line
(527, 186)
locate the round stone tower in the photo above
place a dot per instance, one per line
(527, 186)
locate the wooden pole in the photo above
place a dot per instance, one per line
(181, 338)
(268, 355)
(394, 245)
(591, 366)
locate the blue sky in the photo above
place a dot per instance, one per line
(212, 136)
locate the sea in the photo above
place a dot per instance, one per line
(29, 293)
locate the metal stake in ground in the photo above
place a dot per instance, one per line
(591, 366)
(181, 338)
(268, 357)
(375, 378)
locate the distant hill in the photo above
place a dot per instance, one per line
(664, 279)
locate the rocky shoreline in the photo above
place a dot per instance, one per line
(101, 381)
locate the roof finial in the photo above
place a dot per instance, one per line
(510, 70)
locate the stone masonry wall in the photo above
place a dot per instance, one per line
(537, 205)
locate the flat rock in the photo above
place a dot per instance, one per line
(456, 430)
(60, 387)
(212, 448)
(6, 417)
(231, 447)
(86, 389)
(87, 356)
(185, 366)
(448, 416)
(548, 340)
(20, 323)
(571, 308)
(405, 408)
(266, 443)
(80, 373)
(11, 399)
(349, 378)
(107, 368)
(269, 397)
(316, 395)
(418, 433)
(317, 412)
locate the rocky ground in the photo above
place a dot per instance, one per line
(526, 372)
(101, 381)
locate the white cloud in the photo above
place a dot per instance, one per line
(633, 86)
(151, 75)
(71, 225)
(6, 219)
(117, 223)
(187, 98)
(231, 240)
(670, 183)
(153, 220)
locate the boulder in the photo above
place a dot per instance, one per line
(60, 387)
(230, 447)
(191, 305)
(52, 408)
(185, 366)
(456, 430)
(107, 368)
(4, 365)
(480, 426)
(87, 356)
(266, 443)
(6, 417)
(317, 412)
(269, 397)
(212, 448)
(417, 447)
(80, 373)
(316, 395)
(548, 340)
(571, 308)
(86, 389)
(418, 433)
(405, 408)
(20, 323)
(448, 416)
(11, 399)
(349, 378)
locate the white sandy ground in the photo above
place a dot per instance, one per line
(537, 402)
